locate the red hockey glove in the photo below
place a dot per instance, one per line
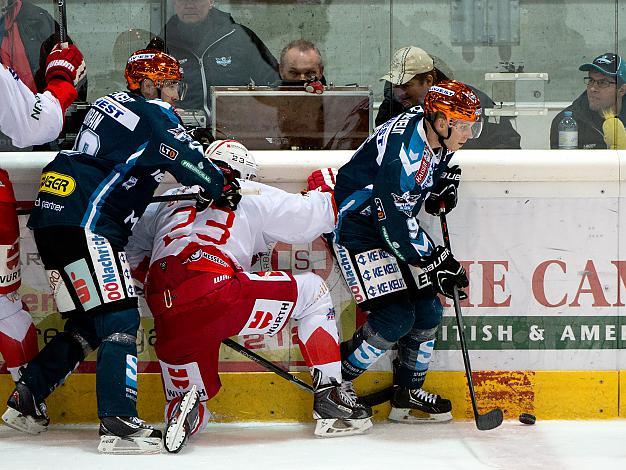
(322, 180)
(231, 192)
(65, 63)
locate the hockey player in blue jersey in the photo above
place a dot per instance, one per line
(88, 201)
(401, 167)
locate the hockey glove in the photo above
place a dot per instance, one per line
(231, 195)
(202, 201)
(322, 180)
(444, 272)
(65, 63)
(202, 135)
(444, 190)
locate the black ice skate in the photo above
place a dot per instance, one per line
(128, 435)
(336, 412)
(184, 420)
(24, 412)
(418, 406)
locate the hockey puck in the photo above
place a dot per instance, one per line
(527, 418)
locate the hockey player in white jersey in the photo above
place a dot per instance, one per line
(200, 290)
(28, 119)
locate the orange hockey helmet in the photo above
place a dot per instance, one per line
(454, 99)
(153, 64)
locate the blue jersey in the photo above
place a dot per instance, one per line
(125, 145)
(380, 191)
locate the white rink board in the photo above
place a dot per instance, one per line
(542, 235)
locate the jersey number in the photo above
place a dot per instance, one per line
(220, 228)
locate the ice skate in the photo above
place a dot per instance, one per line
(128, 435)
(184, 420)
(418, 406)
(24, 413)
(336, 411)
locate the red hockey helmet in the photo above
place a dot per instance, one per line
(457, 102)
(153, 64)
(454, 99)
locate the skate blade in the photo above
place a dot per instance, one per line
(175, 433)
(130, 445)
(16, 420)
(411, 416)
(337, 427)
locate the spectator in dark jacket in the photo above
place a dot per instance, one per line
(214, 50)
(602, 100)
(411, 74)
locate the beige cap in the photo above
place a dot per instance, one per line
(406, 63)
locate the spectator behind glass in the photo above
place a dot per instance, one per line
(23, 28)
(301, 60)
(411, 74)
(215, 50)
(604, 96)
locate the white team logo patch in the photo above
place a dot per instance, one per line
(179, 378)
(267, 317)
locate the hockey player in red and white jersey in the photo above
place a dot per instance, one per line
(200, 290)
(28, 119)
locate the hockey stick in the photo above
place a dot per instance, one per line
(62, 21)
(267, 364)
(492, 419)
(173, 197)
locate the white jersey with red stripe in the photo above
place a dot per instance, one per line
(266, 216)
(27, 118)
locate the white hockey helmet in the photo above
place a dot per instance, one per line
(235, 154)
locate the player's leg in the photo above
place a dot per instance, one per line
(26, 409)
(336, 412)
(18, 336)
(380, 285)
(410, 402)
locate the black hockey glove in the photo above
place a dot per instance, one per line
(231, 195)
(445, 272)
(202, 201)
(202, 135)
(445, 190)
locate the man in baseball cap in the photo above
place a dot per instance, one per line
(599, 111)
(412, 72)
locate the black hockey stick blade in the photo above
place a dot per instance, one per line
(490, 420)
(376, 398)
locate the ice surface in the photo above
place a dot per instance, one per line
(551, 445)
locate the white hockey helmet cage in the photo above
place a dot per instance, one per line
(236, 155)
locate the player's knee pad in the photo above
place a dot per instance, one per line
(364, 348)
(415, 352)
(314, 307)
(10, 304)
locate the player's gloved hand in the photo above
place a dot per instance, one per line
(444, 190)
(313, 85)
(231, 194)
(202, 201)
(202, 135)
(445, 272)
(322, 180)
(65, 62)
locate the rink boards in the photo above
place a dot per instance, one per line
(542, 236)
